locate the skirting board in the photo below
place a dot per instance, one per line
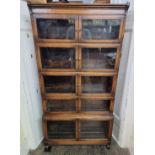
(116, 127)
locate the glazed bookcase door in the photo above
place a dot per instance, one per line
(60, 105)
(59, 28)
(57, 57)
(58, 85)
(96, 85)
(100, 28)
(99, 57)
(94, 129)
(57, 130)
(95, 105)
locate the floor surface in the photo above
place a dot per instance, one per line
(82, 150)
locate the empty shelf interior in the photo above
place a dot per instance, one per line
(59, 58)
(59, 84)
(56, 28)
(61, 129)
(96, 84)
(98, 58)
(95, 105)
(93, 129)
(61, 105)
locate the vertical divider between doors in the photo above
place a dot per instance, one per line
(78, 107)
(76, 28)
(77, 58)
(78, 82)
(77, 129)
(79, 28)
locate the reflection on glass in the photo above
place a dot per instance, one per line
(61, 105)
(94, 129)
(100, 29)
(98, 58)
(96, 84)
(59, 84)
(61, 130)
(58, 58)
(95, 105)
(56, 28)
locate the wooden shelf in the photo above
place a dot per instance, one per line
(105, 96)
(88, 73)
(67, 116)
(80, 96)
(60, 96)
(71, 5)
(79, 142)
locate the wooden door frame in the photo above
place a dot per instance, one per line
(112, 17)
(50, 16)
(56, 45)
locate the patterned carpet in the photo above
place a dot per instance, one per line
(82, 150)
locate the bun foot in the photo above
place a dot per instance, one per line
(108, 146)
(47, 148)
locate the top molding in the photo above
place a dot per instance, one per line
(77, 5)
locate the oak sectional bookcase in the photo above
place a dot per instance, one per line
(78, 50)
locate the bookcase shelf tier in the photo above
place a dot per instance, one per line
(78, 51)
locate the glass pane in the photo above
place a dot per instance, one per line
(94, 129)
(61, 130)
(61, 105)
(59, 84)
(56, 28)
(98, 58)
(58, 58)
(95, 105)
(96, 84)
(100, 29)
